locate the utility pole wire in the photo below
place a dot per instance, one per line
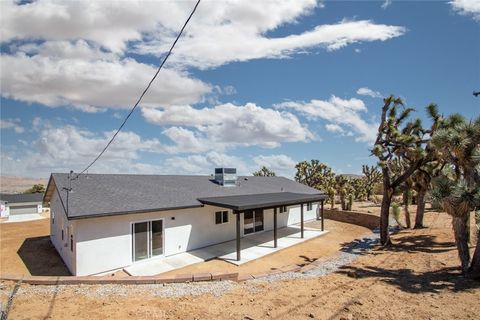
(143, 93)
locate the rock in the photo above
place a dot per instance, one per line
(311, 315)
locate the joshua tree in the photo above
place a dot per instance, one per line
(408, 144)
(317, 175)
(458, 143)
(360, 188)
(372, 176)
(264, 172)
(341, 187)
(422, 179)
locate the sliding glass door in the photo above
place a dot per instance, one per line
(147, 239)
(157, 237)
(252, 221)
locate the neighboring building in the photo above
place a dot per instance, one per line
(20, 204)
(110, 221)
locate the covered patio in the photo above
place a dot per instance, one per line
(245, 203)
(251, 247)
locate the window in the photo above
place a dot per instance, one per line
(283, 209)
(53, 216)
(309, 206)
(71, 242)
(221, 217)
(62, 234)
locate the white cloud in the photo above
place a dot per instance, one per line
(211, 45)
(110, 24)
(66, 148)
(205, 163)
(91, 83)
(386, 4)
(228, 125)
(80, 55)
(11, 124)
(467, 7)
(220, 32)
(281, 164)
(364, 91)
(334, 128)
(340, 112)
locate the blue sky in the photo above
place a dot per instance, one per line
(251, 83)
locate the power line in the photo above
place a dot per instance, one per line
(143, 93)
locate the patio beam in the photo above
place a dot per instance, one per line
(275, 227)
(238, 235)
(321, 215)
(301, 220)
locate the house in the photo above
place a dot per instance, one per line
(105, 222)
(20, 204)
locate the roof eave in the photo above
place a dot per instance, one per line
(109, 214)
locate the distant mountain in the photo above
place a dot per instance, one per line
(351, 175)
(11, 184)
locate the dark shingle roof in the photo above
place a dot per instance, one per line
(21, 197)
(109, 194)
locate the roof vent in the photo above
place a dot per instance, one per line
(226, 177)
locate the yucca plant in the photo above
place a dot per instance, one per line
(395, 207)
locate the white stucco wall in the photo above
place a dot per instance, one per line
(59, 221)
(293, 215)
(105, 243)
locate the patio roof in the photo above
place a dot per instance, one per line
(264, 200)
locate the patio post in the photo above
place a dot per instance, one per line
(275, 227)
(238, 234)
(321, 215)
(301, 220)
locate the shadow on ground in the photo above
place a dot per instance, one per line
(409, 281)
(420, 243)
(41, 258)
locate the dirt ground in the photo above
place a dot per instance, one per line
(417, 278)
(339, 234)
(25, 248)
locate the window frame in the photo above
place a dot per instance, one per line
(223, 214)
(283, 209)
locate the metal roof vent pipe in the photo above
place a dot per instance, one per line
(226, 177)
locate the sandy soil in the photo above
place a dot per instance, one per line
(10, 184)
(25, 248)
(339, 235)
(417, 278)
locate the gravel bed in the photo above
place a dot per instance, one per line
(217, 288)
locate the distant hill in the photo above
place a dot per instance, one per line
(351, 175)
(11, 184)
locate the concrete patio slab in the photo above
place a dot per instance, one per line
(253, 246)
